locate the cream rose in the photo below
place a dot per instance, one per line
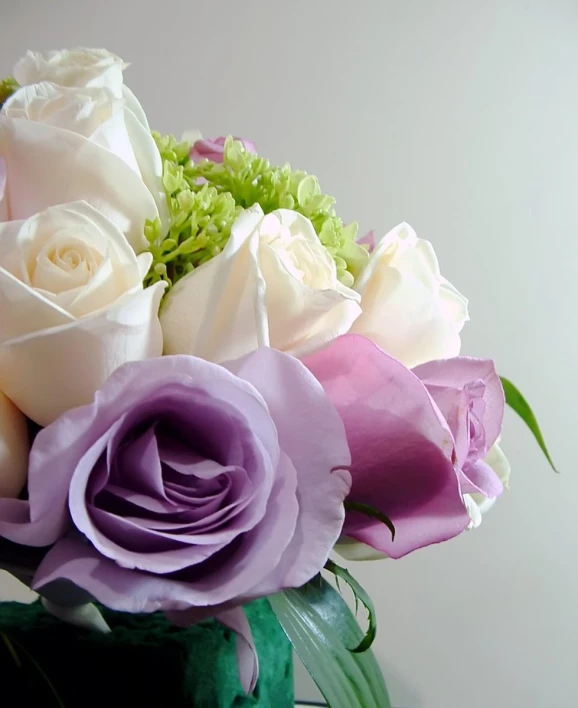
(35, 141)
(79, 68)
(14, 447)
(408, 308)
(72, 308)
(274, 284)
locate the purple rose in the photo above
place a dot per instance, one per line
(402, 450)
(469, 394)
(212, 149)
(188, 487)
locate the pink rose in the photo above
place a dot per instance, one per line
(402, 448)
(469, 394)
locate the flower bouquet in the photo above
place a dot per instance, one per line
(209, 384)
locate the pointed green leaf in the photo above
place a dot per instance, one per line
(372, 512)
(518, 403)
(360, 596)
(320, 626)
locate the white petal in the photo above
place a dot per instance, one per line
(47, 166)
(48, 372)
(14, 448)
(132, 103)
(408, 308)
(72, 67)
(303, 313)
(149, 163)
(113, 136)
(24, 311)
(80, 110)
(217, 312)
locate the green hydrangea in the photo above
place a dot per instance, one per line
(205, 199)
(8, 86)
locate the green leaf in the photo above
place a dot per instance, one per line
(11, 649)
(320, 626)
(518, 403)
(373, 513)
(360, 596)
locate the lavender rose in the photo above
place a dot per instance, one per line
(402, 451)
(469, 394)
(188, 487)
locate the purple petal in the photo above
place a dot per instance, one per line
(235, 619)
(316, 444)
(368, 240)
(480, 478)
(401, 447)
(256, 555)
(212, 148)
(247, 659)
(460, 371)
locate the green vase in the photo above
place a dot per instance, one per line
(145, 662)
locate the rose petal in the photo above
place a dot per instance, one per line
(408, 309)
(247, 659)
(456, 373)
(226, 322)
(281, 379)
(401, 447)
(48, 166)
(480, 478)
(40, 371)
(133, 591)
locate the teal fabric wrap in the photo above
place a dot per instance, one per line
(144, 663)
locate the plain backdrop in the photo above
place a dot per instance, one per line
(460, 117)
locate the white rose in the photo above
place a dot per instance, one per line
(408, 308)
(79, 68)
(274, 284)
(14, 448)
(101, 111)
(72, 308)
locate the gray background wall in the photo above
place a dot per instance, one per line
(460, 117)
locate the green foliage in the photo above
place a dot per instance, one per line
(322, 629)
(520, 405)
(360, 596)
(372, 513)
(205, 199)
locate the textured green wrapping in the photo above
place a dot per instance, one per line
(144, 663)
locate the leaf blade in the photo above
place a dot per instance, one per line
(520, 405)
(371, 512)
(320, 626)
(360, 596)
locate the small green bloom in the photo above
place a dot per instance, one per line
(205, 199)
(251, 179)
